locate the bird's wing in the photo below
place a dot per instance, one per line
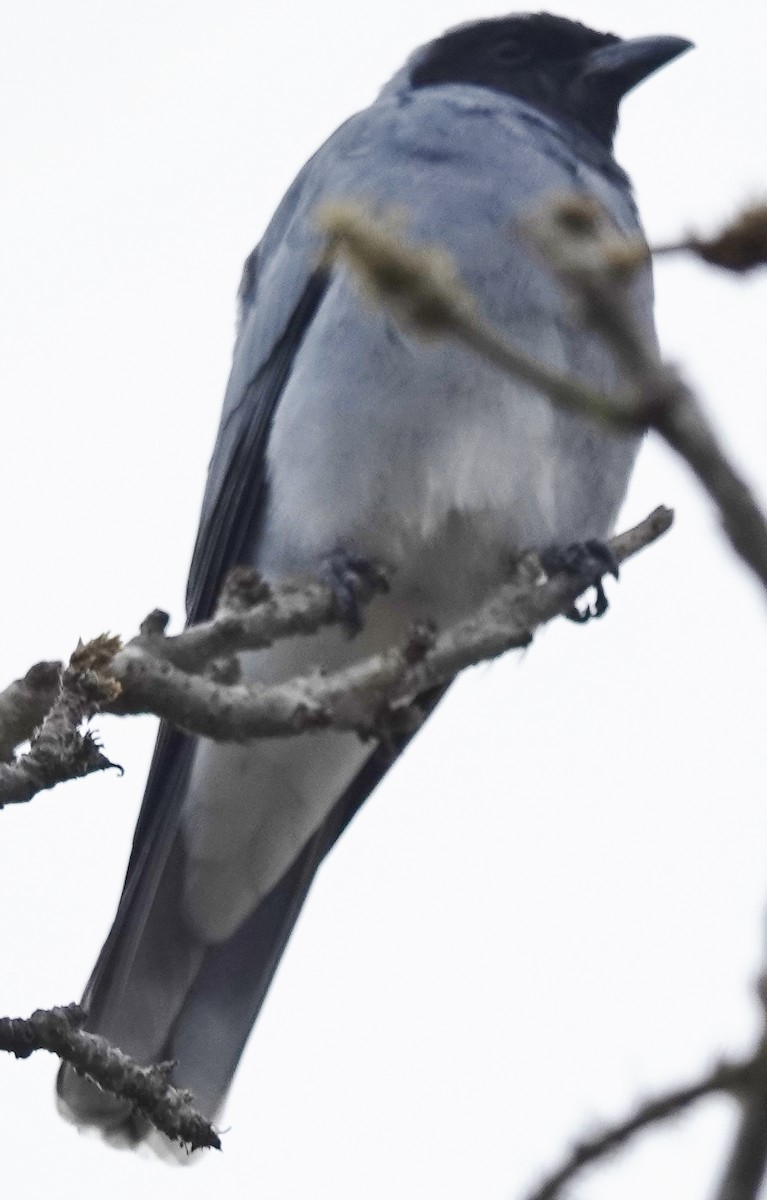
(281, 291)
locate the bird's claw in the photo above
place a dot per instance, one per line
(353, 579)
(587, 561)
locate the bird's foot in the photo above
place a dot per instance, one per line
(588, 562)
(353, 579)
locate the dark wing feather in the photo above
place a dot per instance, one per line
(227, 529)
(280, 295)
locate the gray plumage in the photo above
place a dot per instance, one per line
(341, 433)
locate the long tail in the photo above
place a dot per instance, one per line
(158, 991)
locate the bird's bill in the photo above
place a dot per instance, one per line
(625, 64)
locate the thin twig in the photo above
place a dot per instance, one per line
(727, 1077)
(747, 1164)
(252, 614)
(59, 1030)
(420, 286)
(581, 247)
(740, 246)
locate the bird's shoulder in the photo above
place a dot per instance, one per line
(461, 148)
(389, 152)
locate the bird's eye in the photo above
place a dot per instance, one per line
(510, 53)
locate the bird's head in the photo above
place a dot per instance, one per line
(559, 66)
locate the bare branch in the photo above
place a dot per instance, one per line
(24, 703)
(59, 1030)
(251, 615)
(746, 1081)
(727, 1077)
(582, 248)
(367, 697)
(748, 1159)
(59, 751)
(746, 1169)
(740, 246)
(360, 697)
(747, 1165)
(422, 289)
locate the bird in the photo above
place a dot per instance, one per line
(345, 441)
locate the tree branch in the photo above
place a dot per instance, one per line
(59, 1030)
(59, 751)
(595, 265)
(368, 697)
(747, 1165)
(421, 287)
(746, 1081)
(727, 1077)
(740, 246)
(251, 615)
(24, 704)
(359, 697)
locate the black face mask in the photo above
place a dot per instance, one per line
(559, 66)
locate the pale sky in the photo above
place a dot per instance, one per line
(555, 903)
